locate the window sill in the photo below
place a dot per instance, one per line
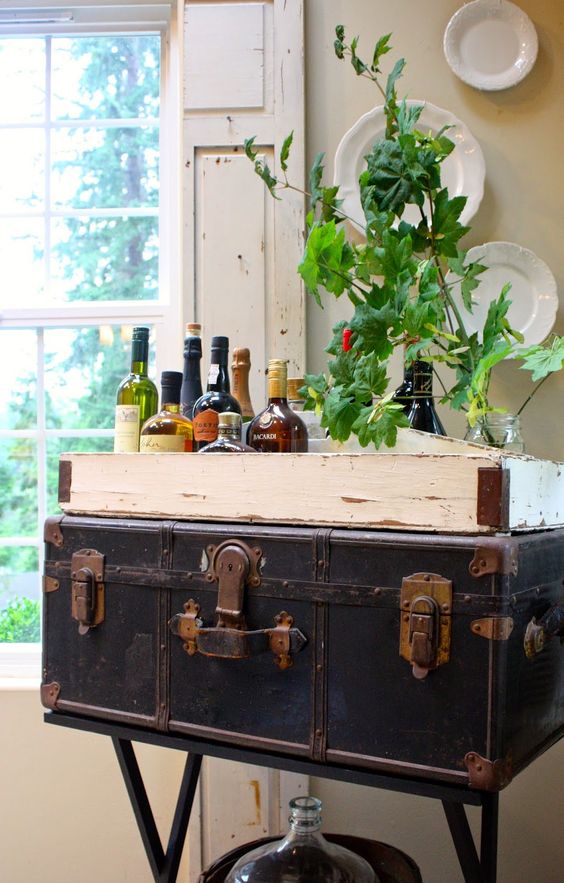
(20, 666)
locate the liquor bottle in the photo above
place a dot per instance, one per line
(137, 396)
(404, 393)
(240, 367)
(277, 429)
(191, 388)
(296, 403)
(303, 856)
(168, 430)
(217, 397)
(421, 413)
(228, 439)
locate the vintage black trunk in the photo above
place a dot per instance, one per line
(144, 621)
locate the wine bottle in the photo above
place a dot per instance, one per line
(217, 397)
(191, 388)
(421, 413)
(137, 396)
(228, 439)
(240, 368)
(404, 393)
(168, 430)
(277, 429)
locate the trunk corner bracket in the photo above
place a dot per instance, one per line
(488, 775)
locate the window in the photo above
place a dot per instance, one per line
(85, 254)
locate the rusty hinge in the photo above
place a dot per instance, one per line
(495, 558)
(88, 591)
(495, 628)
(488, 775)
(52, 532)
(426, 621)
(493, 497)
(50, 584)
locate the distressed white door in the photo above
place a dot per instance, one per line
(243, 76)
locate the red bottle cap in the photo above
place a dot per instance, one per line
(347, 334)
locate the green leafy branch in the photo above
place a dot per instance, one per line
(401, 281)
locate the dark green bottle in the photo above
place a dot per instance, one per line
(137, 396)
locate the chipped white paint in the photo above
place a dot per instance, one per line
(422, 492)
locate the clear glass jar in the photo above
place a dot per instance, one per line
(303, 856)
(498, 431)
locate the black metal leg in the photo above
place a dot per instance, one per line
(163, 867)
(488, 838)
(464, 842)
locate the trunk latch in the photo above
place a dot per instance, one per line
(87, 605)
(426, 617)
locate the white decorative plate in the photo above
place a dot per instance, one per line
(533, 294)
(490, 44)
(463, 171)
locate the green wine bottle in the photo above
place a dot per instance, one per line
(137, 396)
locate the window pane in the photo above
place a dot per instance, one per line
(106, 168)
(22, 61)
(109, 77)
(83, 368)
(22, 152)
(105, 259)
(18, 392)
(18, 487)
(58, 446)
(19, 595)
(23, 269)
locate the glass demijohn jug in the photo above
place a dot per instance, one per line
(303, 856)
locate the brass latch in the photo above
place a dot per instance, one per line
(539, 631)
(88, 601)
(234, 566)
(426, 618)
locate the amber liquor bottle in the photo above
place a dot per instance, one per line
(168, 430)
(216, 399)
(228, 439)
(422, 414)
(191, 388)
(278, 429)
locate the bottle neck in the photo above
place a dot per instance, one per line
(218, 376)
(277, 389)
(241, 383)
(171, 407)
(192, 359)
(139, 356)
(305, 815)
(422, 379)
(233, 433)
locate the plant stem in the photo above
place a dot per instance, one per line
(528, 399)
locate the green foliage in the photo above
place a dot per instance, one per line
(400, 281)
(19, 622)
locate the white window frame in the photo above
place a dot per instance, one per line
(100, 17)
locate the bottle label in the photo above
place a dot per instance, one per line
(126, 438)
(206, 425)
(157, 444)
(213, 373)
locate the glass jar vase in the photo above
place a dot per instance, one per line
(498, 431)
(303, 856)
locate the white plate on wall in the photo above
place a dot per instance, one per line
(463, 171)
(533, 294)
(490, 44)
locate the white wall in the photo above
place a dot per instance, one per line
(64, 813)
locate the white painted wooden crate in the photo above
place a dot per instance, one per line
(455, 488)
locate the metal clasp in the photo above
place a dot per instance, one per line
(426, 617)
(87, 587)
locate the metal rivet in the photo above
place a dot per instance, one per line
(446, 607)
(319, 668)
(377, 591)
(479, 767)
(285, 583)
(406, 617)
(319, 732)
(477, 628)
(320, 563)
(467, 599)
(427, 578)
